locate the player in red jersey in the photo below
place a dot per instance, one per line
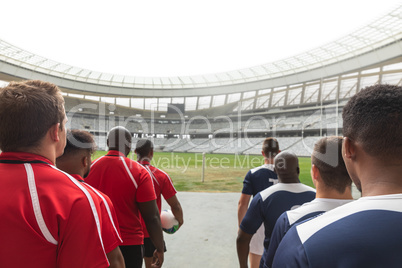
(48, 218)
(129, 186)
(163, 186)
(76, 161)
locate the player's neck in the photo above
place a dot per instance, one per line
(144, 159)
(332, 193)
(268, 161)
(288, 180)
(48, 152)
(380, 178)
(384, 186)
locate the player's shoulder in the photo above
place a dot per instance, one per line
(270, 190)
(287, 187)
(264, 168)
(161, 172)
(98, 160)
(296, 214)
(337, 215)
(133, 165)
(102, 196)
(67, 189)
(359, 210)
(56, 177)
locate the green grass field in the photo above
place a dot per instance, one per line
(223, 173)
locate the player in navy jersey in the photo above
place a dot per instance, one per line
(256, 180)
(270, 203)
(333, 189)
(366, 232)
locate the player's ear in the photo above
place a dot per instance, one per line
(315, 173)
(348, 148)
(84, 161)
(54, 132)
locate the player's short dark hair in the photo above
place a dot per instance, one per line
(270, 147)
(143, 147)
(373, 117)
(327, 157)
(79, 140)
(27, 111)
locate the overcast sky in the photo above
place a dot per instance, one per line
(179, 37)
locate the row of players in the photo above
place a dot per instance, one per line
(281, 200)
(50, 216)
(51, 220)
(303, 227)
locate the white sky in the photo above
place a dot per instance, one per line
(179, 37)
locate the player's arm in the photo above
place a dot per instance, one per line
(242, 206)
(115, 258)
(248, 226)
(243, 247)
(150, 214)
(176, 209)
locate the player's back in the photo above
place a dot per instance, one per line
(116, 177)
(363, 233)
(125, 182)
(40, 208)
(269, 204)
(258, 179)
(291, 217)
(280, 198)
(163, 185)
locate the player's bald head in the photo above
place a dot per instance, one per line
(287, 167)
(119, 139)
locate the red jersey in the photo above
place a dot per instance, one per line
(163, 185)
(109, 224)
(48, 218)
(126, 182)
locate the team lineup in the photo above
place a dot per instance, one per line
(61, 209)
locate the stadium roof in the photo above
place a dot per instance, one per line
(379, 41)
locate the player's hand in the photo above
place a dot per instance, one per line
(157, 259)
(180, 224)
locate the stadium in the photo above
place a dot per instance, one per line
(298, 99)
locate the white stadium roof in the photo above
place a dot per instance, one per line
(379, 41)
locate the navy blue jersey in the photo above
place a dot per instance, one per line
(292, 217)
(258, 179)
(270, 203)
(363, 233)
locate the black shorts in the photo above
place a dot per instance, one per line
(149, 247)
(133, 255)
